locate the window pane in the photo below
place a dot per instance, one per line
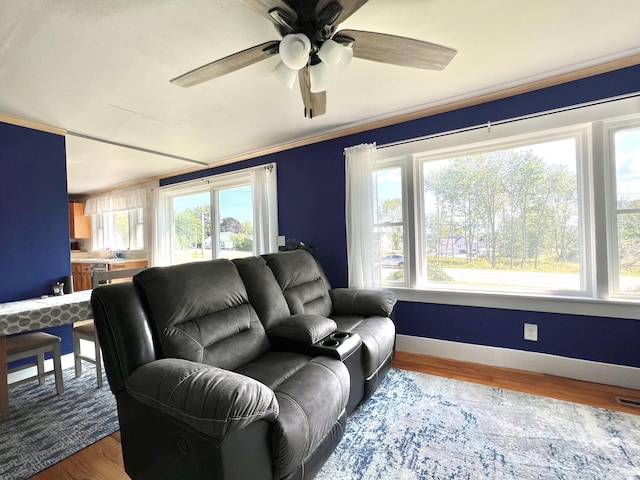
(505, 220)
(121, 239)
(388, 226)
(192, 227)
(236, 222)
(627, 166)
(627, 159)
(629, 253)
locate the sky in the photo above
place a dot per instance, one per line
(627, 148)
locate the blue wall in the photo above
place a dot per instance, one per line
(311, 203)
(34, 219)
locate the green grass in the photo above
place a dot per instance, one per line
(544, 265)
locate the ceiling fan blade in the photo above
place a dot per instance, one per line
(228, 64)
(407, 52)
(349, 7)
(315, 104)
(264, 7)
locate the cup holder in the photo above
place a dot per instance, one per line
(340, 335)
(338, 344)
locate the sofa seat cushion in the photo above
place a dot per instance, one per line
(378, 338)
(308, 412)
(274, 367)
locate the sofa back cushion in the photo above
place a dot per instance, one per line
(201, 312)
(305, 287)
(263, 290)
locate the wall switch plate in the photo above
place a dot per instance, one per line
(282, 241)
(531, 332)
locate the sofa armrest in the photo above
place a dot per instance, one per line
(211, 400)
(353, 301)
(304, 328)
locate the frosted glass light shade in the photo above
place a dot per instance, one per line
(337, 56)
(294, 50)
(319, 76)
(286, 75)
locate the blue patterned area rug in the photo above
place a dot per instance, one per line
(419, 426)
(44, 428)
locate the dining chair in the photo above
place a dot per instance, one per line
(35, 344)
(86, 331)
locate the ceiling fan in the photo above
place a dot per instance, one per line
(312, 50)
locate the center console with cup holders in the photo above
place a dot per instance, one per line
(346, 347)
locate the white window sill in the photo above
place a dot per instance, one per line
(617, 308)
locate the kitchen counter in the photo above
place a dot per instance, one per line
(82, 269)
(108, 261)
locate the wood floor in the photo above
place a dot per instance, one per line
(103, 460)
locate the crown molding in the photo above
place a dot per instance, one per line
(31, 124)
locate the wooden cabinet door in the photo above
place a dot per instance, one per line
(79, 223)
(85, 277)
(81, 273)
(76, 271)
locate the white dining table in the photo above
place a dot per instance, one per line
(36, 314)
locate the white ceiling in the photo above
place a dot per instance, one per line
(100, 69)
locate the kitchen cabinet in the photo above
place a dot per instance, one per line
(81, 273)
(79, 223)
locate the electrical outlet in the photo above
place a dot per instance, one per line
(282, 241)
(531, 332)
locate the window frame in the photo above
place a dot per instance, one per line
(610, 128)
(594, 189)
(581, 135)
(408, 228)
(263, 236)
(106, 222)
(212, 186)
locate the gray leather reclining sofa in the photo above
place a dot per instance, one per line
(243, 369)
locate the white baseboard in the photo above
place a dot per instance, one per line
(606, 373)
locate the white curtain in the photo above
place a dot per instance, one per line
(117, 201)
(160, 229)
(360, 195)
(265, 209)
(103, 209)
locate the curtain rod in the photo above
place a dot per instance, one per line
(490, 124)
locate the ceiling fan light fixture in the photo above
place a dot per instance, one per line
(294, 50)
(286, 75)
(319, 76)
(336, 55)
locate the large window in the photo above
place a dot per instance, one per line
(507, 218)
(226, 216)
(545, 208)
